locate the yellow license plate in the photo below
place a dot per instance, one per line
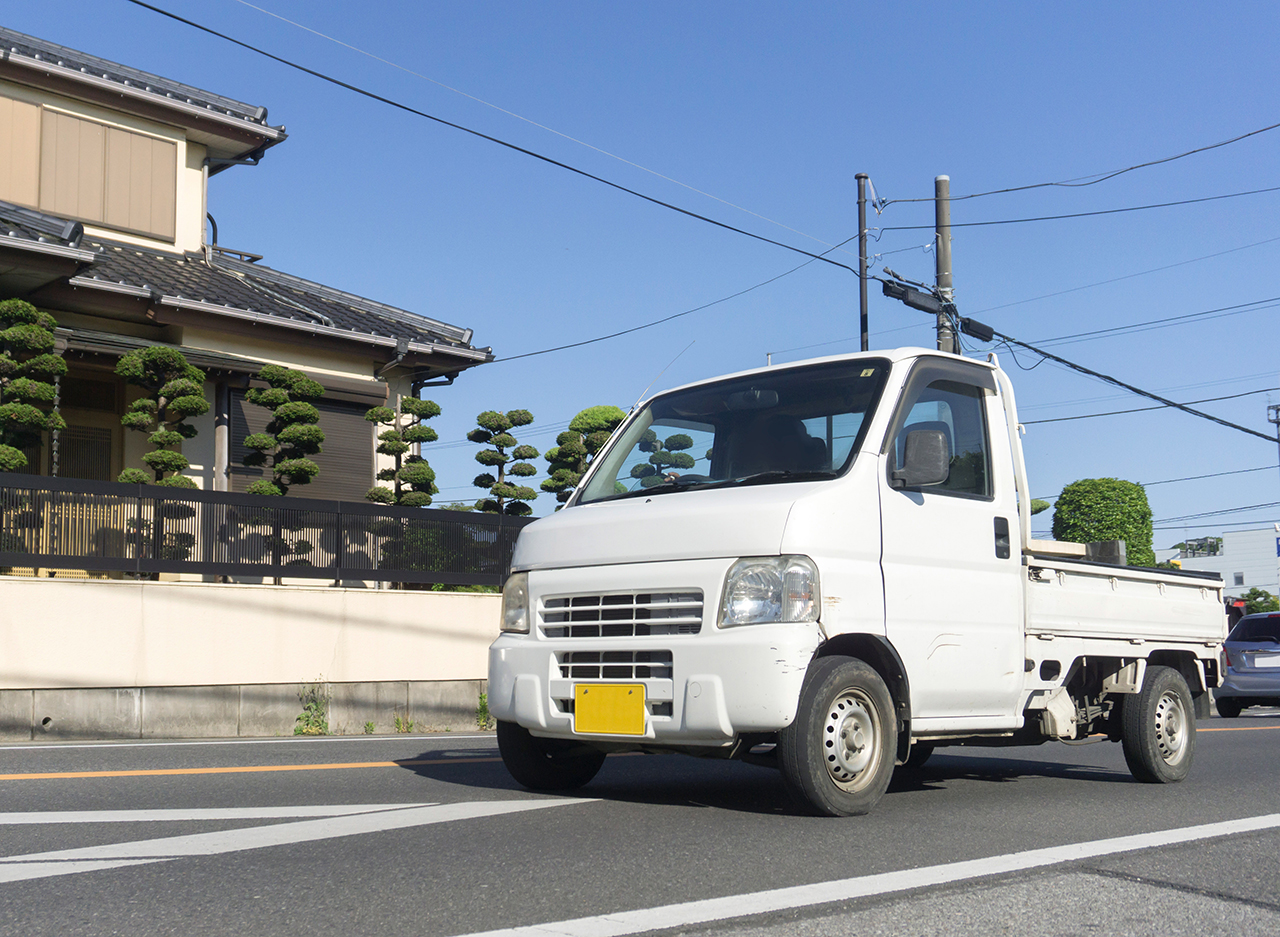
(608, 708)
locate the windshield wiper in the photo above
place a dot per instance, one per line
(776, 475)
(666, 485)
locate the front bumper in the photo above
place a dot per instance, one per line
(701, 689)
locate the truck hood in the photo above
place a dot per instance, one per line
(675, 526)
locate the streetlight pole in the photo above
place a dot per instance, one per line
(942, 253)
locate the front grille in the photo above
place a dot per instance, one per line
(616, 665)
(624, 615)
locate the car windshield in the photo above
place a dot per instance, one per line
(1263, 628)
(792, 424)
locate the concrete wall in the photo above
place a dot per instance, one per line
(109, 659)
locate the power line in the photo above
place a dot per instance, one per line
(1089, 416)
(1191, 478)
(1218, 313)
(492, 139)
(1217, 526)
(1129, 387)
(503, 110)
(1095, 178)
(1193, 517)
(1127, 276)
(1079, 214)
(649, 325)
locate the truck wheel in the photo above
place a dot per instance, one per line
(1229, 707)
(837, 755)
(1158, 728)
(546, 764)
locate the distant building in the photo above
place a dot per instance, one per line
(104, 175)
(1247, 560)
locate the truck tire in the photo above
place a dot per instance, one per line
(1158, 728)
(837, 756)
(1229, 707)
(546, 764)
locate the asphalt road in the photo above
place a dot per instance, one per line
(430, 836)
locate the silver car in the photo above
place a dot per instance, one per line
(1252, 676)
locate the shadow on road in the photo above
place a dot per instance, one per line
(678, 780)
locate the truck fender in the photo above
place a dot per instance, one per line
(1192, 671)
(883, 657)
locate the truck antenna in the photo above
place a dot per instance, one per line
(659, 374)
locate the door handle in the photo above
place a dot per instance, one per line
(1002, 538)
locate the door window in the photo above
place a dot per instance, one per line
(958, 410)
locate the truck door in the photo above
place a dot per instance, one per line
(951, 555)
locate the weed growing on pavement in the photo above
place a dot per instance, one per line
(403, 723)
(483, 719)
(368, 728)
(314, 718)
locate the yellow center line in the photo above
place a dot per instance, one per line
(244, 769)
(1239, 729)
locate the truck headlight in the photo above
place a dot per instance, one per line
(515, 603)
(761, 589)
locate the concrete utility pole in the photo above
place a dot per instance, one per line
(862, 255)
(942, 251)
(1273, 417)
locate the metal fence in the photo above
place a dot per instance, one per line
(60, 523)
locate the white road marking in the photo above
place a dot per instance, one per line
(199, 813)
(291, 740)
(113, 855)
(800, 896)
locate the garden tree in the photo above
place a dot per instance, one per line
(175, 393)
(410, 470)
(1039, 504)
(494, 430)
(292, 435)
(576, 447)
(28, 367)
(666, 455)
(1260, 600)
(1106, 509)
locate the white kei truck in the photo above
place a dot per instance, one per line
(828, 566)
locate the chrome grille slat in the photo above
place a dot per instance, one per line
(617, 615)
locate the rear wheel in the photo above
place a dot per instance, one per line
(1228, 706)
(546, 764)
(1158, 728)
(837, 755)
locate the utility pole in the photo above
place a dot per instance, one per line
(1273, 417)
(862, 255)
(942, 251)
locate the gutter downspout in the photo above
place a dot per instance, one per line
(222, 436)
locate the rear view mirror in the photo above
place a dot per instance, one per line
(926, 460)
(754, 399)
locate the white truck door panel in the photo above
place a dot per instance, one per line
(950, 556)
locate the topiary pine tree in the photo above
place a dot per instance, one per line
(397, 442)
(27, 368)
(1094, 509)
(504, 497)
(175, 393)
(666, 455)
(575, 448)
(292, 435)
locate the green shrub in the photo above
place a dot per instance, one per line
(175, 393)
(569, 459)
(1106, 509)
(292, 436)
(27, 372)
(493, 430)
(1260, 600)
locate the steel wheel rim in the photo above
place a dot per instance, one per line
(851, 739)
(1171, 728)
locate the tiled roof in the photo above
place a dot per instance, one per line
(16, 43)
(233, 286)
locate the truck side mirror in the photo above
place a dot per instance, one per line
(926, 460)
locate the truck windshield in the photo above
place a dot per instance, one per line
(792, 424)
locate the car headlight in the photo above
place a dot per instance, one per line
(515, 603)
(761, 589)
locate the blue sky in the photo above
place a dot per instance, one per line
(771, 108)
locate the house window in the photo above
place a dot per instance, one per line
(85, 452)
(1239, 579)
(83, 169)
(346, 464)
